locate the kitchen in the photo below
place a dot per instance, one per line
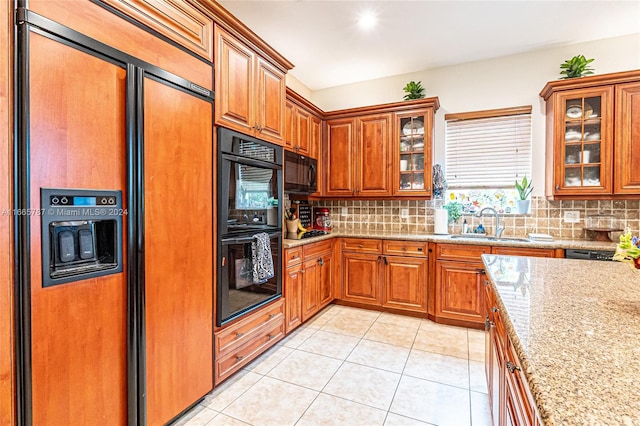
(491, 85)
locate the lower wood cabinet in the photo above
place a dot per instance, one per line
(510, 399)
(460, 279)
(242, 341)
(308, 282)
(391, 274)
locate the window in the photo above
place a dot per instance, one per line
(486, 151)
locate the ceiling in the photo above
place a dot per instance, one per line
(327, 47)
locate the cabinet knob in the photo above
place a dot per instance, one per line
(512, 367)
(271, 336)
(272, 316)
(239, 335)
(481, 271)
(360, 246)
(557, 187)
(428, 189)
(486, 282)
(419, 248)
(385, 260)
(379, 259)
(494, 309)
(295, 257)
(321, 261)
(239, 358)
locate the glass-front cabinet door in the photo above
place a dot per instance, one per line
(584, 138)
(413, 146)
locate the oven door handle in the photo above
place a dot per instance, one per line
(247, 239)
(251, 162)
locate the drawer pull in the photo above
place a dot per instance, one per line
(486, 282)
(360, 246)
(271, 336)
(272, 316)
(481, 271)
(239, 358)
(239, 335)
(295, 257)
(494, 309)
(419, 248)
(404, 249)
(512, 367)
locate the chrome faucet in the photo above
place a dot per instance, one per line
(497, 228)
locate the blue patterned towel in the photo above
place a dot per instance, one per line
(262, 259)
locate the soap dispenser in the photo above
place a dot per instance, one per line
(465, 227)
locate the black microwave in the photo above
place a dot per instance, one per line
(300, 173)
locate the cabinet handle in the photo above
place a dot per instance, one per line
(239, 358)
(487, 324)
(419, 248)
(239, 335)
(512, 367)
(428, 189)
(494, 309)
(255, 126)
(295, 257)
(379, 259)
(302, 271)
(481, 271)
(557, 187)
(360, 246)
(430, 250)
(486, 282)
(385, 260)
(271, 336)
(321, 261)
(272, 316)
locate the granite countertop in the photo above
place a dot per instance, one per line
(575, 326)
(397, 235)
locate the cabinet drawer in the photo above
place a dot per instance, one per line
(239, 333)
(405, 248)
(525, 251)
(293, 256)
(232, 362)
(315, 249)
(466, 253)
(362, 245)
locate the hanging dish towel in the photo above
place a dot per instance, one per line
(262, 259)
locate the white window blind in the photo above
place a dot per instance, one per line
(488, 151)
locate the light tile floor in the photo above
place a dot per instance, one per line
(356, 367)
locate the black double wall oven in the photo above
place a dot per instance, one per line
(249, 203)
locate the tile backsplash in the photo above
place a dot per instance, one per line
(546, 217)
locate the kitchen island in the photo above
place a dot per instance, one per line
(574, 328)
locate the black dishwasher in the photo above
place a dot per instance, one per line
(589, 254)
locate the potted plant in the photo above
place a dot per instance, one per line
(455, 211)
(414, 90)
(578, 66)
(524, 188)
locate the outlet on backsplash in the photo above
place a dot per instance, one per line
(571, 216)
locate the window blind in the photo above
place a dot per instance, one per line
(488, 152)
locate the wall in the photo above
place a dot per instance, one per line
(494, 83)
(546, 216)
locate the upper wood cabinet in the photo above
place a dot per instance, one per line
(250, 91)
(303, 127)
(379, 151)
(593, 126)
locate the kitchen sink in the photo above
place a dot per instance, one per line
(489, 238)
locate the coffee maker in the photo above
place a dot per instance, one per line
(322, 219)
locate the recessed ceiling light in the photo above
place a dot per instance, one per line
(367, 20)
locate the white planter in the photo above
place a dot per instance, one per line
(523, 206)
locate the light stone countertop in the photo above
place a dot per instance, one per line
(575, 327)
(397, 235)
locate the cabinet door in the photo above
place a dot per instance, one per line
(293, 297)
(339, 158)
(270, 98)
(374, 156)
(325, 285)
(405, 283)
(413, 147)
(627, 143)
(315, 148)
(234, 83)
(303, 131)
(361, 278)
(583, 142)
(310, 278)
(460, 291)
(289, 126)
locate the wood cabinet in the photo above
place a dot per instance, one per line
(308, 285)
(391, 274)
(362, 155)
(250, 91)
(413, 150)
(592, 130)
(303, 127)
(241, 342)
(510, 398)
